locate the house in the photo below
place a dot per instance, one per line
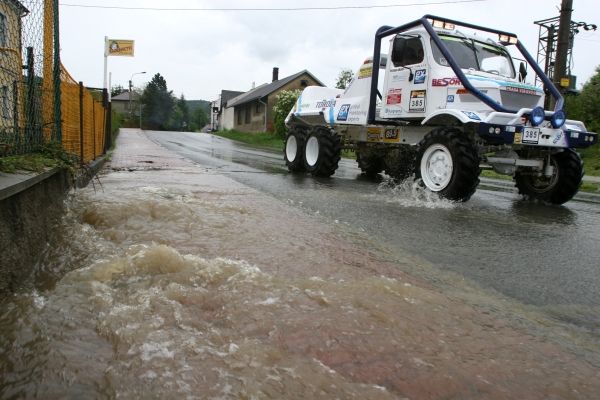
(253, 111)
(121, 103)
(218, 121)
(11, 72)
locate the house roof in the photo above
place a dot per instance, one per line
(227, 95)
(24, 11)
(125, 96)
(267, 88)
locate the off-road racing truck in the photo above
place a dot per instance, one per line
(450, 103)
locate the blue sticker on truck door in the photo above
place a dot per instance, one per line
(343, 113)
(420, 76)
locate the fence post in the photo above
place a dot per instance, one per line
(81, 122)
(30, 102)
(108, 121)
(56, 77)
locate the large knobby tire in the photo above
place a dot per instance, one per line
(322, 151)
(447, 163)
(370, 165)
(293, 150)
(400, 162)
(558, 188)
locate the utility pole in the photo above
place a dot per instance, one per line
(562, 47)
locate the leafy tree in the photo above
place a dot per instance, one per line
(117, 90)
(586, 106)
(180, 116)
(344, 78)
(158, 103)
(199, 118)
(284, 103)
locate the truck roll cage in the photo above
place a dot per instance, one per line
(386, 31)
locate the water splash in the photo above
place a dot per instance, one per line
(411, 193)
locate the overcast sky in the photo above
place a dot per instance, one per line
(200, 53)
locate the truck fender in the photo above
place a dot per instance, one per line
(451, 117)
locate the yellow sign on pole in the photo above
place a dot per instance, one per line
(119, 47)
(565, 82)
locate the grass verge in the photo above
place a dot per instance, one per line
(261, 139)
(49, 155)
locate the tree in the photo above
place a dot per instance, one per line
(199, 118)
(344, 78)
(158, 103)
(117, 90)
(586, 106)
(180, 116)
(284, 103)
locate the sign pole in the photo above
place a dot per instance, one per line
(106, 62)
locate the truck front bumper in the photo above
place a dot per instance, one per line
(535, 136)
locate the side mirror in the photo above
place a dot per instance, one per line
(398, 51)
(522, 72)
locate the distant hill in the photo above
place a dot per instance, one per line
(193, 105)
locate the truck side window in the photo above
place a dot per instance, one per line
(407, 51)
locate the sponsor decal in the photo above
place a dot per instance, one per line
(558, 137)
(446, 82)
(343, 113)
(399, 78)
(518, 138)
(472, 115)
(521, 90)
(325, 103)
(391, 135)
(393, 111)
(450, 98)
(394, 96)
(417, 101)
(365, 71)
(420, 76)
(373, 134)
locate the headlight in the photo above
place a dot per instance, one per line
(537, 116)
(558, 119)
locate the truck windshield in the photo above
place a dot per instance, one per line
(476, 55)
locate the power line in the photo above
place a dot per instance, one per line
(274, 8)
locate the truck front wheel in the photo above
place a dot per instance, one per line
(293, 150)
(448, 164)
(322, 151)
(558, 188)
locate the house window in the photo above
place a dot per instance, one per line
(239, 115)
(257, 108)
(248, 111)
(3, 30)
(4, 102)
(303, 83)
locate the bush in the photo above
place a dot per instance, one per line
(285, 101)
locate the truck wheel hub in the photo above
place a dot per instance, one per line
(312, 150)
(436, 167)
(291, 148)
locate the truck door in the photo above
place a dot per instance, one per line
(405, 86)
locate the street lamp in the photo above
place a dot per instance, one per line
(130, 88)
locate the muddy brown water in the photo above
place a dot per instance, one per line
(178, 283)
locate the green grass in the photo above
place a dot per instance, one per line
(261, 139)
(591, 160)
(50, 155)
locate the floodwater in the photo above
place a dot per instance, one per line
(181, 283)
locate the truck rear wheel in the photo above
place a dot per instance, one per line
(370, 165)
(293, 150)
(558, 188)
(322, 151)
(448, 164)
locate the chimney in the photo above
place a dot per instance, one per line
(275, 74)
(253, 85)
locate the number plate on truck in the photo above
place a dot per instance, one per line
(531, 135)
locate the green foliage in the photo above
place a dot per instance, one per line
(284, 103)
(344, 78)
(117, 90)
(158, 103)
(179, 120)
(48, 155)
(586, 107)
(199, 119)
(262, 139)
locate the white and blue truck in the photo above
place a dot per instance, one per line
(445, 102)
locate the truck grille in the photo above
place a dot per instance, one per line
(518, 100)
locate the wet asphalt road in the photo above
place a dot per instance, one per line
(543, 256)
